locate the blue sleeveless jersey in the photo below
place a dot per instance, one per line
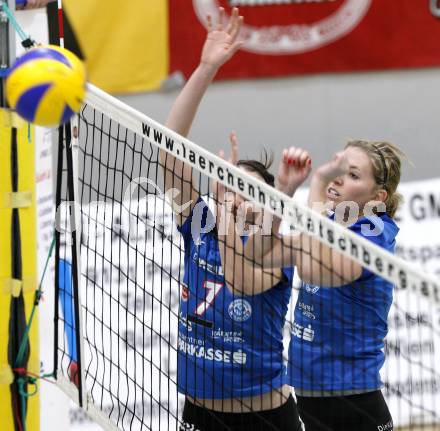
(337, 338)
(229, 345)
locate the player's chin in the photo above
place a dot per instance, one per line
(333, 201)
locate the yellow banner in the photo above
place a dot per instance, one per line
(125, 42)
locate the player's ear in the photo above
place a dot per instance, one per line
(381, 195)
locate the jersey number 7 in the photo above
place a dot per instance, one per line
(212, 290)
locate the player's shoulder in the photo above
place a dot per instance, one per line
(378, 228)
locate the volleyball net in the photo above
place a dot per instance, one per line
(120, 276)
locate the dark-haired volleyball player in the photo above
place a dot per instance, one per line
(230, 364)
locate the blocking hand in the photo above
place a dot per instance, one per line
(218, 188)
(294, 169)
(221, 42)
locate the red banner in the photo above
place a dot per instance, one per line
(311, 37)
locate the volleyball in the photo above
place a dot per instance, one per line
(46, 85)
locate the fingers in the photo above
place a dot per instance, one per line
(234, 25)
(296, 157)
(209, 22)
(289, 155)
(226, 34)
(340, 160)
(234, 148)
(221, 18)
(232, 21)
(236, 30)
(338, 156)
(304, 159)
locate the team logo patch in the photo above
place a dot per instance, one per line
(240, 310)
(310, 288)
(295, 38)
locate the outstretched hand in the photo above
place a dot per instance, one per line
(294, 169)
(221, 42)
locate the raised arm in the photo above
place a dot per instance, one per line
(242, 275)
(220, 45)
(321, 180)
(317, 263)
(269, 249)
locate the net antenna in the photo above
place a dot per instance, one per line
(435, 8)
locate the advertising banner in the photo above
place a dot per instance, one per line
(301, 37)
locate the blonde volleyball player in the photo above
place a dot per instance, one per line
(230, 365)
(336, 347)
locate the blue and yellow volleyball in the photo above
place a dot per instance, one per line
(46, 86)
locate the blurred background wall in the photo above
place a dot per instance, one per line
(319, 112)
(310, 74)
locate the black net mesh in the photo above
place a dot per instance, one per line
(178, 302)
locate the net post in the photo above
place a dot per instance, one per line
(72, 166)
(59, 169)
